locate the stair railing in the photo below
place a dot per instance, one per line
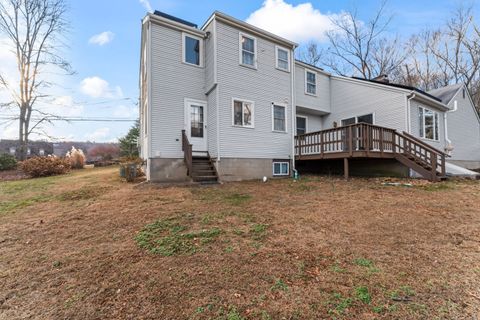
(187, 152)
(365, 139)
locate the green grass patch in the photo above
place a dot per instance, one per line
(439, 186)
(336, 268)
(363, 295)
(84, 193)
(258, 231)
(362, 262)
(14, 205)
(237, 199)
(339, 304)
(279, 285)
(167, 237)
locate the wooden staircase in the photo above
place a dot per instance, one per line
(363, 140)
(200, 166)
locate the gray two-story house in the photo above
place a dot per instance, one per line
(228, 101)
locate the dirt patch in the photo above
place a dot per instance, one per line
(319, 248)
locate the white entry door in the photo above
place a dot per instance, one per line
(196, 124)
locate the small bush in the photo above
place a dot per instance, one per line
(7, 162)
(76, 157)
(45, 166)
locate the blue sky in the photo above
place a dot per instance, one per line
(106, 79)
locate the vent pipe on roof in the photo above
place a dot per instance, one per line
(382, 78)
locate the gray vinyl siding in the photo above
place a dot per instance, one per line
(172, 82)
(262, 86)
(352, 98)
(314, 122)
(464, 129)
(212, 126)
(415, 124)
(320, 102)
(209, 57)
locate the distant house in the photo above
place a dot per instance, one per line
(228, 101)
(61, 148)
(34, 149)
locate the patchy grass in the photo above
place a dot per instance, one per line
(87, 246)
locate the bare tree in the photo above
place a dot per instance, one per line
(422, 68)
(361, 49)
(34, 29)
(312, 54)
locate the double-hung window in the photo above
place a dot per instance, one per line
(428, 124)
(279, 118)
(192, 50)
(243, 113)
(283, 58)
(310, 83)
(248, 51)
(280, 168)
(301, 125)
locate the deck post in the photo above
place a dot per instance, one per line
(345, 168)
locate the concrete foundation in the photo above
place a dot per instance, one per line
(358, 167)
(467, 164)
(237, 169)
(167, 170)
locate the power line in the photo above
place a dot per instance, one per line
(74, 119)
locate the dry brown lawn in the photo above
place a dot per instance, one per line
(88, 246)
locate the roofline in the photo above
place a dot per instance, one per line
(172, 24)
(469, 98)
(311, 66)
(220, 16)
(463, 86)
(419, 95)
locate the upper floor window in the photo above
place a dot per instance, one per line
(243, 113)
(310, 83)
(192, 50)
(248, 50)
(12, 150)
(41, 152)
(279, 118)
(429, 124)
(283, 58)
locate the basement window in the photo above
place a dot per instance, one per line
(281, 168)
(428, 123)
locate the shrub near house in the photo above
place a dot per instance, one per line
(76, 157)
(45, 166)
(7, 162)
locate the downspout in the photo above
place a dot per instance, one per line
(449, 146)
(409, 114)
(294, 108)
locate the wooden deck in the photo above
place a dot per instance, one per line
(364, 140)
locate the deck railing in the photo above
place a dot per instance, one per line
(187, 152)
(367, 140)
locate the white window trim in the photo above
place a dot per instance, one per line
(240, 49)
(436, 115)
(316, 83)
(233, 113)
(288, 58)
(280, 174)
(306, 123)
(284, 106)
(184, 34)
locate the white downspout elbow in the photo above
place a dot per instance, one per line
(449, 146)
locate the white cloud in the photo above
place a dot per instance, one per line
(102, 38)
(96, 87)
(125, 112)
(64, 106)
(98, 135)
(300, 23)
(146, 4)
